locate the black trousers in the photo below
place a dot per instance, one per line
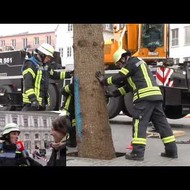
(144, 112)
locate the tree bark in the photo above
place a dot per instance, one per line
(95, 138)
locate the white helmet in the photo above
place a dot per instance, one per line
(46, 49)
(10, 127)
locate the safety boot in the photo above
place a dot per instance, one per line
(133, 156)
(170, 150)
(169, 155)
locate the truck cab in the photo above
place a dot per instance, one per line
(148, 41)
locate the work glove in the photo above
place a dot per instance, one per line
(71, 73)
(35, 104)
(100, 77)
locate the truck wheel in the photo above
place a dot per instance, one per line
(124, 110)
(173, 112)
(6, 107)
(53, 96)
(128, 100)
(114, 104)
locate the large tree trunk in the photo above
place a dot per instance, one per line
(95, 138)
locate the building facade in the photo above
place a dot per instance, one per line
(26, 40)
(64, 42)
(180, 42)
(35, 127)
(60, 37)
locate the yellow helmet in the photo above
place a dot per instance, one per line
(117, 55)
(46, 49)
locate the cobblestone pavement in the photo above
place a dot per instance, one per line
(121, 134)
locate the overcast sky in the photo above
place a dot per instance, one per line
(9, 29)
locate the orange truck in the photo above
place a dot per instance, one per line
(151, 43)
(148, 41)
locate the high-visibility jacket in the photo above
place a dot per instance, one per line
(137, 78)
(36, 80)
(69, 104)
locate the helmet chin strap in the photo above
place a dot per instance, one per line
(127, 58)
(41, 57)
(7, 138)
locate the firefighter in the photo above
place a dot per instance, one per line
(69, 106)
(36, 73)
(147, 103)
(9, 154)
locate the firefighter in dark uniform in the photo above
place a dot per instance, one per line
(36, 73)
(69, 106)
(147, 103)
(9, 154)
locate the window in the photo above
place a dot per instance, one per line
(70, 27)
(13, 42)
(186, 58)
(24, 42)
(61, 52)
(175, 37)
(14, 119)
(187, 35)
(152, 36)
(36, 40)
(108, 27)
(35, 122)
(46, 136)
(25, 122)
(45, 122)
(2, 43)
(121, 25)
(69, 51)
(26, 136)
(52, 119)
(48, 39)
(176, 60)
(36, 136)
(2, 121)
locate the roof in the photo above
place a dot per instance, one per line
(18, 29)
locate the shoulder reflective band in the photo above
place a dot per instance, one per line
(7, 155)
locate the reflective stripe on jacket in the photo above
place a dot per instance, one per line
(36, 80)
(137, 78)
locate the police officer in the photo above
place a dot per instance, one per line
(69, 106)
(147, 103)
(9, 154)
(36, 73)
